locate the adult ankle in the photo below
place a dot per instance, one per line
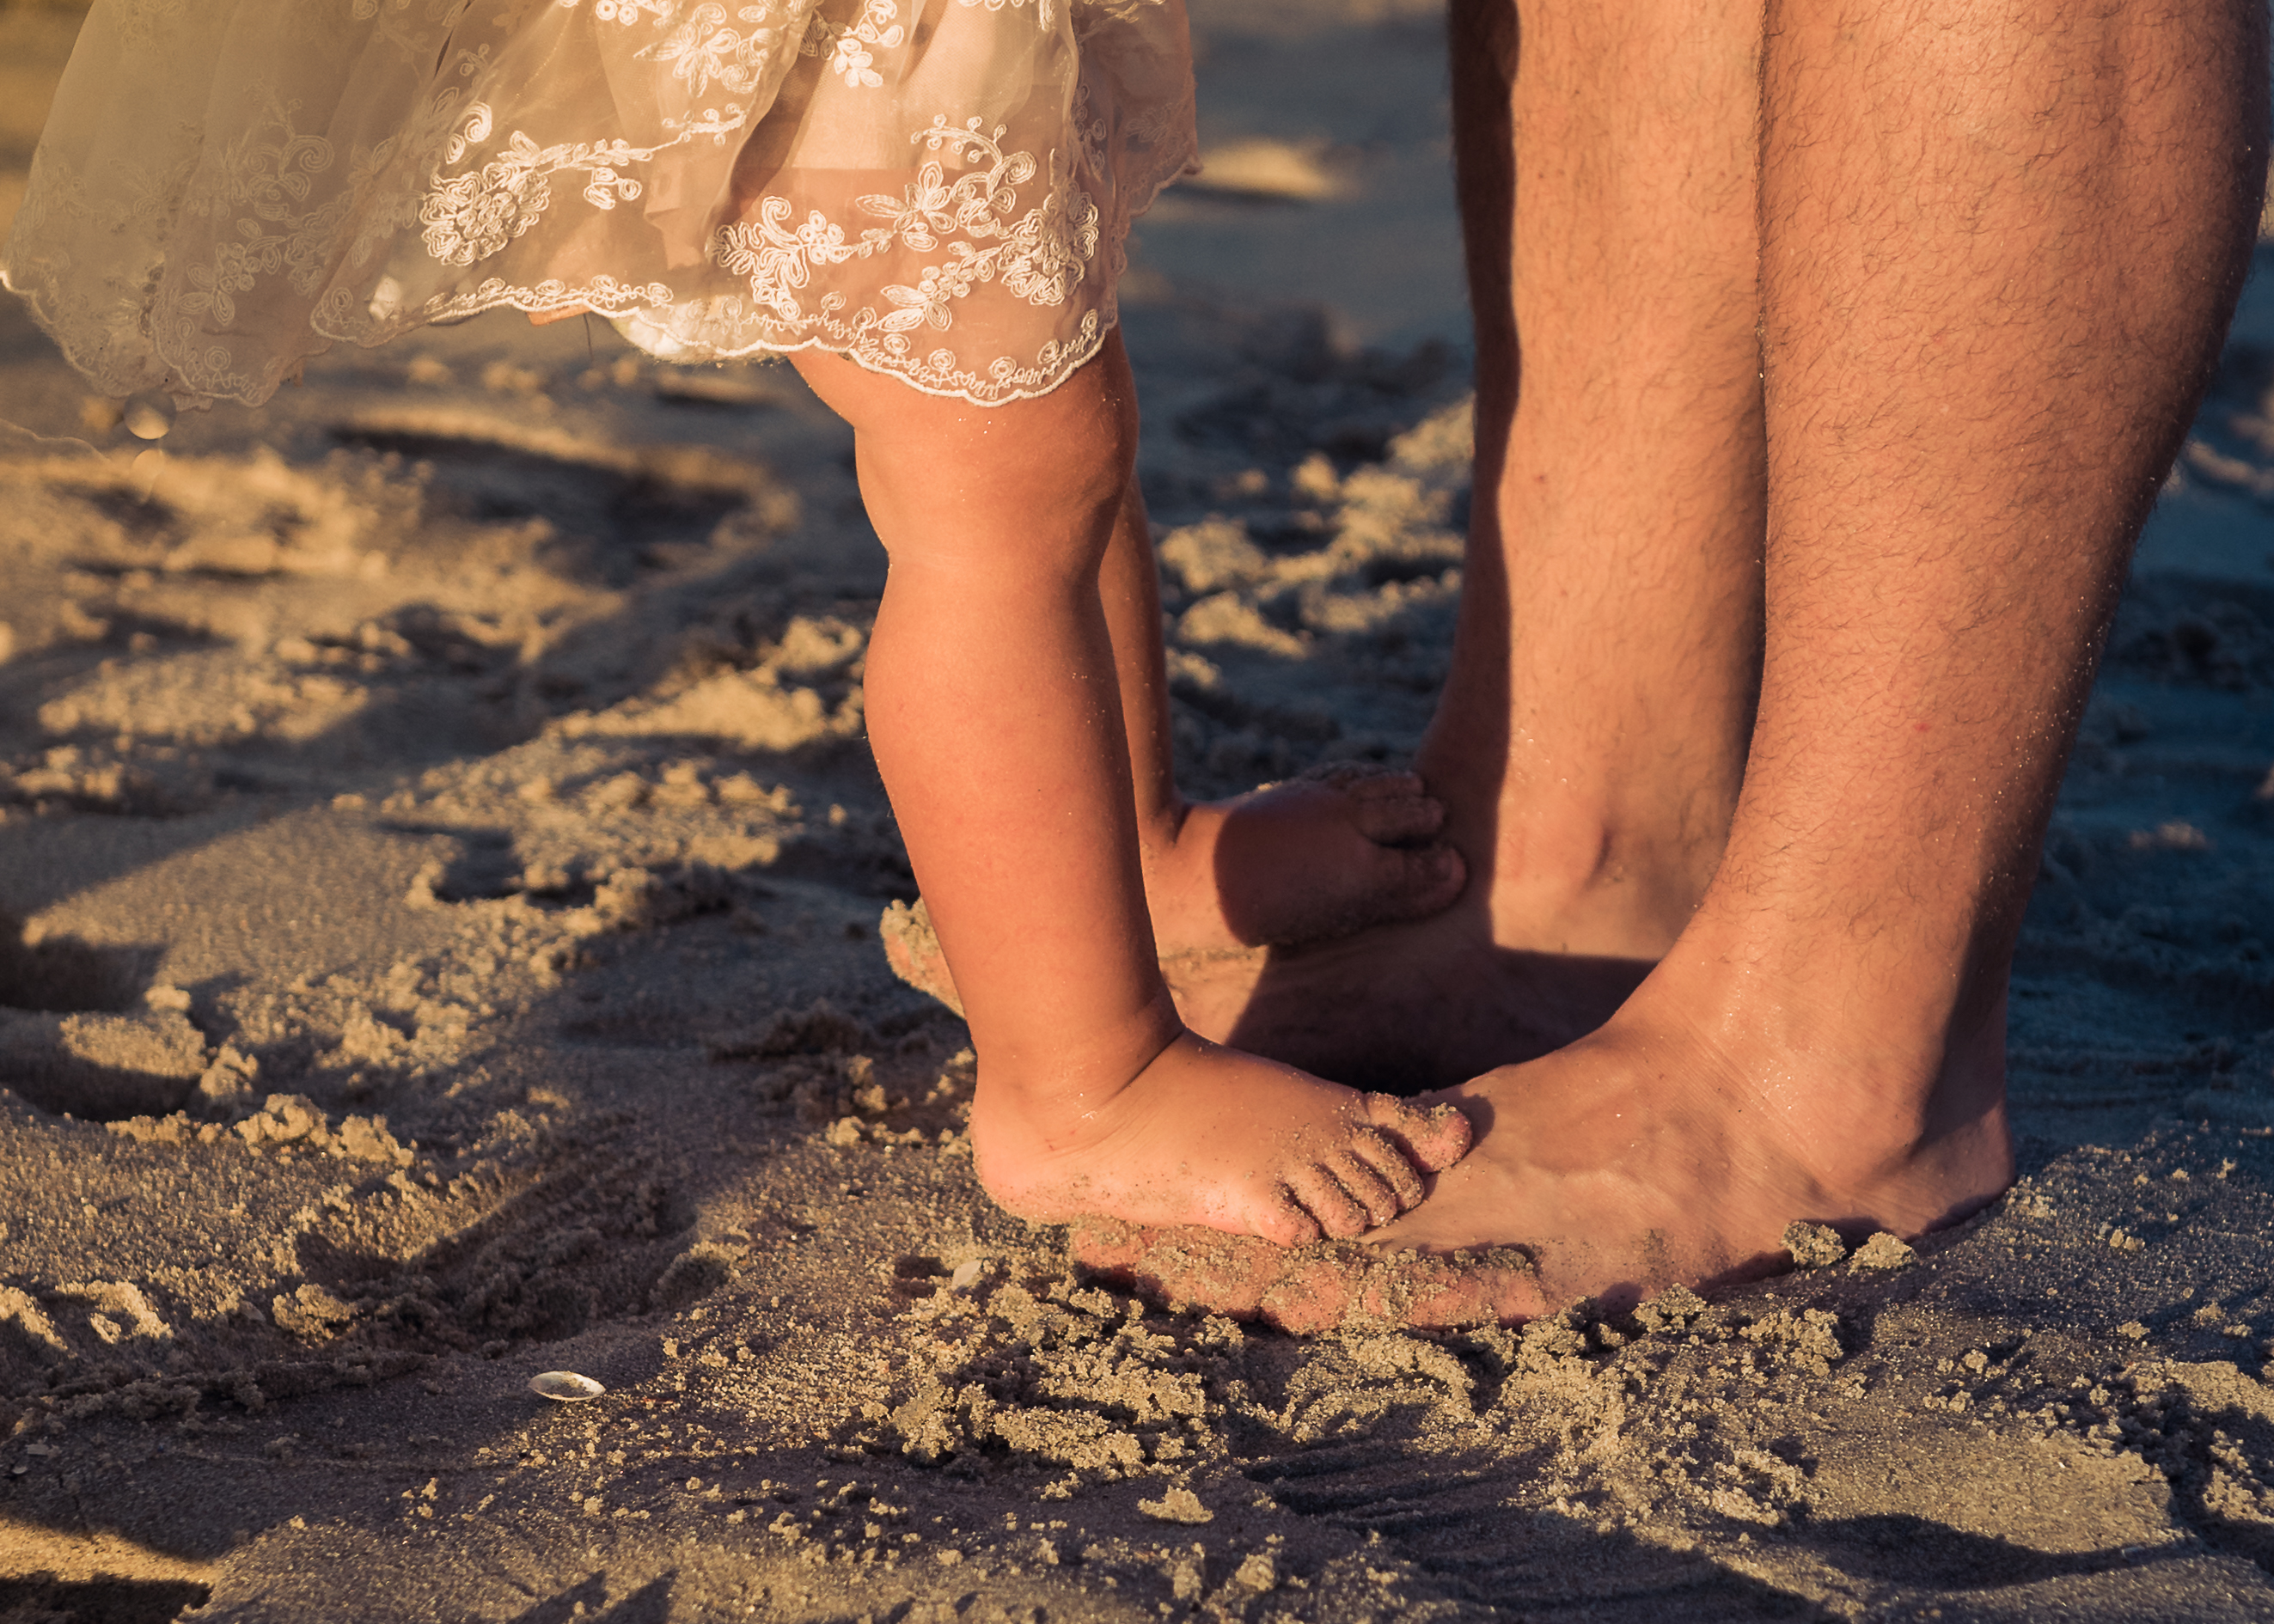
(1591, 882)
(1872, 1073)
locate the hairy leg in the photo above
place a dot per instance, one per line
(995, 714)
(1591, 733)
(1590, 738)
(1999, 245)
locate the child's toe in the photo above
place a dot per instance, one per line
(1365, 1186)
(1421, 880)
(1284, 1222)
(1390, 1162)
(1397, 820)
(1321, 1195)
(1433, 1140)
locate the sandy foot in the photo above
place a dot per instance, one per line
(1406, 1007)
(1210, 1137)
(1333, 1285)
(1633, 1159)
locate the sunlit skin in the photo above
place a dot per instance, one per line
(996, 707)
(1028, 774)
(1854, 348)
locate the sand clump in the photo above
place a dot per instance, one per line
(1884, 1251)
(103, 1064)
(1814, 1245)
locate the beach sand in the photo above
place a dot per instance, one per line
(444, 869)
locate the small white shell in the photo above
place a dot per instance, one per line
(966, 1275)
(565, 1386)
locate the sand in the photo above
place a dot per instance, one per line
(443, 871)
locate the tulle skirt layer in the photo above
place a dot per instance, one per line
(939, 189)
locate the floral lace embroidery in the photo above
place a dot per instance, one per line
(878, 25)
(267, 176)
(704, 48)
(1089, 130)
(139, 22)
(389, 22)
(1039, 258)
(280, 204)
(470, 216)
(625, 11)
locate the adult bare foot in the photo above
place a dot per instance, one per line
(1658, 1150)
(1407, 1007)
(1825, 1039)
(1209, 1136)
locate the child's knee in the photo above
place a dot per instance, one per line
(1061, 462)
(862, 398)
(1084, 430)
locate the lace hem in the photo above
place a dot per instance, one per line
(384, 195)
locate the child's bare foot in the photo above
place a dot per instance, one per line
(1209, 1136)
(1331, 852)
(1672, 1145)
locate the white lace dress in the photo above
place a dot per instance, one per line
(939, 189)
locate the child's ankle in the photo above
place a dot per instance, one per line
(1077, 1074)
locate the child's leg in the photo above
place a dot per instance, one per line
(1327, 853)
(1321, 855)
(994, 712)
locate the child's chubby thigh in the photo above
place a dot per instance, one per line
(1039, 478)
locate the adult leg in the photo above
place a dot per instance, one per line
(1590, 738)
(2001, 245)
(995, 715)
